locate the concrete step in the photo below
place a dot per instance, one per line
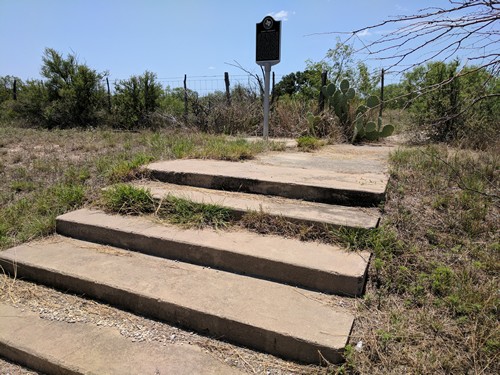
(317, 185)
(311, 265)
(271, 317)
(54, 347)
(291, 209)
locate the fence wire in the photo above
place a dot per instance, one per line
(208, 84)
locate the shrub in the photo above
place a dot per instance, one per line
(136, 99)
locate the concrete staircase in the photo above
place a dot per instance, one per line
(263, 292)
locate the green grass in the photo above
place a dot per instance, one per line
(46, 173)
(190, 214)
(34, 215)
(309, 143)
(128, 199)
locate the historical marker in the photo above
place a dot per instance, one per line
(268, 46)
(267, 54)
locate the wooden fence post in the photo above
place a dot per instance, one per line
(321, 103)
(109, 95)
(272, 90)
(185, 99)
(381, 93)
(14, 90)
(228, 93)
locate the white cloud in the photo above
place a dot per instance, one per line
(364, 33)
(282, 15)
(211, 68)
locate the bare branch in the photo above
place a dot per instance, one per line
(259, 80)
(467, 25)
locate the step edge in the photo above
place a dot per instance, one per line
(265, 340)
(340, 196)
(170, 248)
(373, 221)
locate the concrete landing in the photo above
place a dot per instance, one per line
(55, 347)
(267, 316)
(311, 265)
(343, 158)
(312, 184)
(293, 210)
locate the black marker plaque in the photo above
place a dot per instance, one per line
(268, 49)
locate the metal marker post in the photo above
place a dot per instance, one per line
(267, 79)
(267, 54)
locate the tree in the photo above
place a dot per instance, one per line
(340, 63)
(7, 87)
(439, 34)
(75, 92)
(305, 84)
(136, 99)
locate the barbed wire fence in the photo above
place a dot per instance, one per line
(207, 84)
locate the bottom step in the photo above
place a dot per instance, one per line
(75, 348)
(278, 319)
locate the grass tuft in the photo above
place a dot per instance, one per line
(190, 214)
(128, 199)
(308, 143)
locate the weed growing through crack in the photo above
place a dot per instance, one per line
(130, 200)
(190, 214)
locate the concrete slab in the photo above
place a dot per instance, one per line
(263, 315)
(342, 158)
(291, 209)
(311, 265)
(74, 348)
(287, 142)
(305, 183)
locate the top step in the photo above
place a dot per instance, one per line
(306, 183)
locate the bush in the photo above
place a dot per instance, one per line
(75, 92)
(446, 103)
(135, 100)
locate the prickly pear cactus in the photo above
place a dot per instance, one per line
(370, 130)
(338, 99)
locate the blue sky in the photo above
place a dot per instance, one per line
(173, 38)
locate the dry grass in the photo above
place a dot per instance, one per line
(431, 305)
(46, 173)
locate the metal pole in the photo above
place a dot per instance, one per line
(267, 79)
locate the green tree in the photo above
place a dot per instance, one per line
(75, 92)
(340, 63)
(451, 104)
(136, 99)
(7, 87)
(172, 101)
(32, 102)
(395, 96)
(305, 85)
